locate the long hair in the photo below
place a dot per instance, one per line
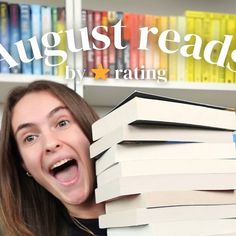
(27, 209)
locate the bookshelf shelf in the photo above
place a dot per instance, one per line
(111, 91)
(9, 81)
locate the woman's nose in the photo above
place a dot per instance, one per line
(52, 143)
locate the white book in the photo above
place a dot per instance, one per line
(142, 151)
(220, 227)
(166, 167)
(141, 216)
(140, 184)
(170, 198)
(135, 133)
(143, 107)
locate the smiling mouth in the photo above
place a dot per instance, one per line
(65, 170)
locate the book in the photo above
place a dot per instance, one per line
(37, 32)
(46, 21)
(141, 216)
(14, 14)
(142, 151)
(161, 133)
(170, 198)
(173, 182)
(60, 28)
(4, 33)
(144, 107)
(164, 167)
(218, 227)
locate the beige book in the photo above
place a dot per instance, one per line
(141, 216)
(143, 108)
(170, 198)
(139, 168)
(150, 183)
(150, 133)
(143, 151)
(219, 227)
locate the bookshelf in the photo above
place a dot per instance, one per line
(9, 81)
(108, 93)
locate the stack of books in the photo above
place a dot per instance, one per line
(166, 167)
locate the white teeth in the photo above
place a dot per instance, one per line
(59, 163)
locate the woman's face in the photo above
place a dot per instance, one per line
(53, 147)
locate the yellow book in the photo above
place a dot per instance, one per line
(62, 46)
(198, 22)
(181, 25)
(189, 70)
(206, 37)
(172, 60)
(230, 30)
(215, 35)
(221, 73)
(163, 56)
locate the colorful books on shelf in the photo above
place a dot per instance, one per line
(25, 21)
(201, 27)
(158, 175)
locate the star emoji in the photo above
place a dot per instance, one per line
(100, 72)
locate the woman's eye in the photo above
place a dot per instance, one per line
(63, 123)
(30, 138)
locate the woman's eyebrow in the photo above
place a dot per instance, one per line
(49, 115)
(55, 110)
(23, 126)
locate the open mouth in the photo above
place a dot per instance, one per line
(65, 170)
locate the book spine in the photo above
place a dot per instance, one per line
(36, 31)
(90, 53)
(230, 30)
(190, 61)
(46, 27)
(14, 12)
(26, 33)
(97, 18)
(119, 52)
(4, 33)
(54, 29)
(126, 40)
(60, 27)
(134, 41)
(163, 56)
(112, 51)
(172, 59)
(85, 53)
(142, 55)
(198, 63)
(181, 60)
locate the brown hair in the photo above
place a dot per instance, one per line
(27, 208)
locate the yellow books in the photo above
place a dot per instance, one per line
(172, 60)
(198, 22)
(189, 70)
(163, 56)
(62, 46)
(181, 25)
(230, 30)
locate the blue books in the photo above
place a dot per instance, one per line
(15, 34)
(37, 31)
(25, 35)
(4, 33)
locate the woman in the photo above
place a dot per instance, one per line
(47, 179)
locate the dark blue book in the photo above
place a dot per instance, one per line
(4, 33)
(26, 34)
(14, 11)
